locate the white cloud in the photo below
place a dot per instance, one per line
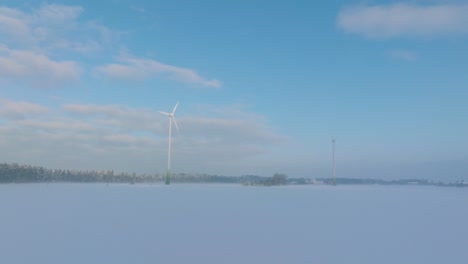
(20, 109)
(43, 27)
(36, 69)
(139, 68)
(132, 139)
(387, 21)
(12, 24)
(224, 130)
(117, 117)
(403, 55)
(34, 40)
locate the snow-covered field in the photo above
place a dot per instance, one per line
(92, 223)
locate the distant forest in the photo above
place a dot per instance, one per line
(16, 173)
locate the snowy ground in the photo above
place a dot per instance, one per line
(92, 223)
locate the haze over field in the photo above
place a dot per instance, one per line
(262, 85)
(92, 223)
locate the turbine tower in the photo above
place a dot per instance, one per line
(333, 150)
(171, 118)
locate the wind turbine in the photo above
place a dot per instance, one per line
(171, 118)
(333, 149)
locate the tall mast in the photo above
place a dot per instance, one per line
(333, 150)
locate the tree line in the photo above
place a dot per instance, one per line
(20, 173)
(16, 173)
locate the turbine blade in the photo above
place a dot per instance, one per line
(165, 113)
(175, 107)
(175, 123)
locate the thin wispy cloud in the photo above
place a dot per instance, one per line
(57, 125)
(33, 40)
(403, 55)
(36, 69)
(20, 109)
(402, 19)
(44, 26)
(117, 117)
(40, 47)
(138, 9)
(54, 13)
(133, 68)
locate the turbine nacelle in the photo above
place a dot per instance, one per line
(171, 116)
(166, 113)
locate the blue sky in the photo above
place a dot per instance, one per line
(262, 85)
